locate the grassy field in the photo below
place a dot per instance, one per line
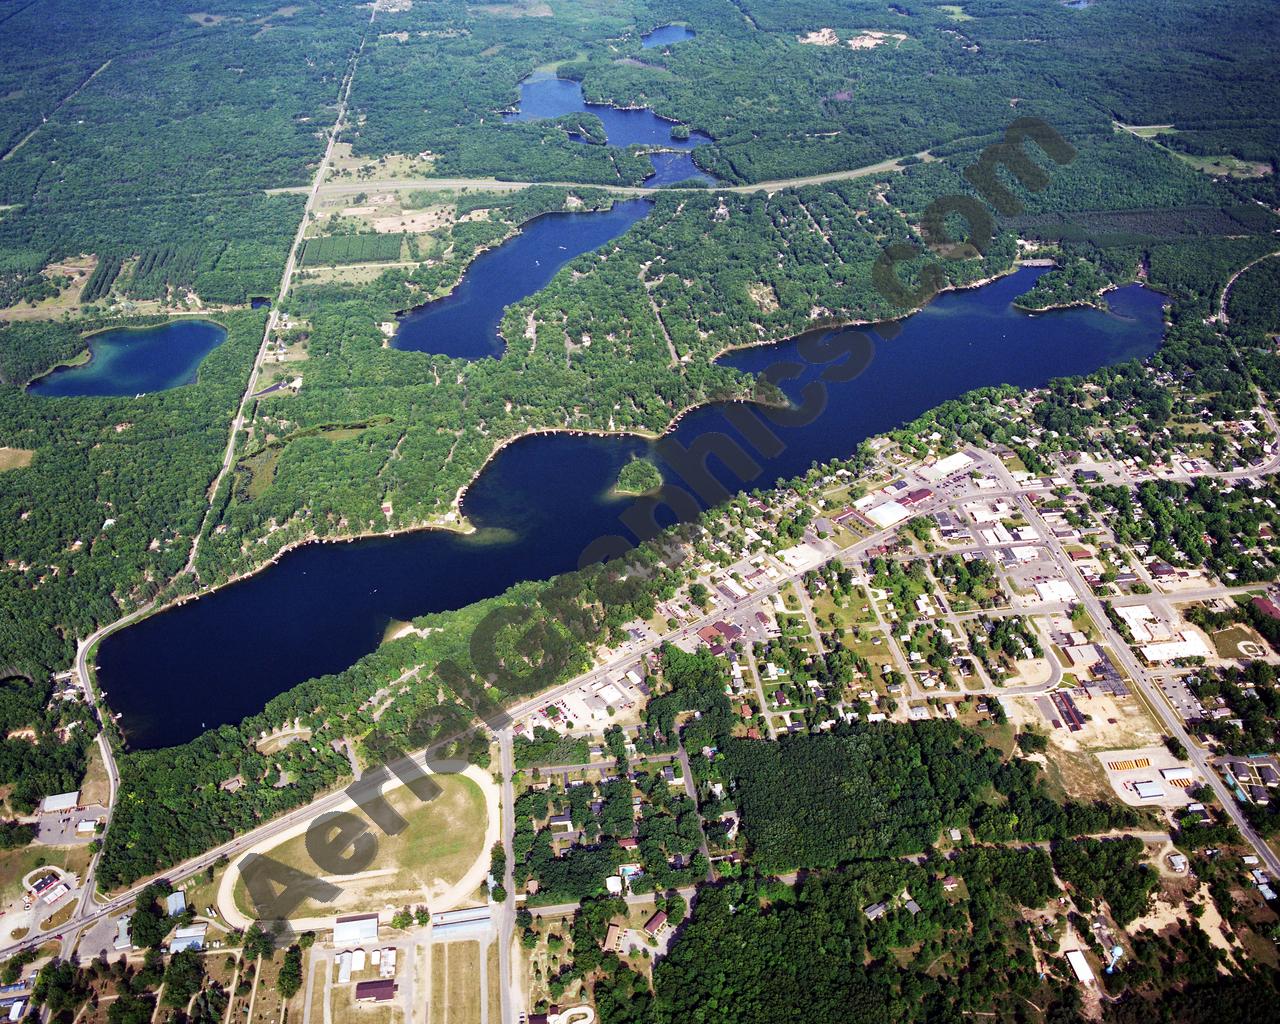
(15, 458)
(1238, 642)
(261, 470)
(96, 787)
(1223, 165)
(317, 991)
(14, 865)
(439, 988)
(60, 916)
(455, 988)
(443, 839)
(495, 984)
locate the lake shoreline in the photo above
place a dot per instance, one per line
(399, 314)
(88, 356)
(424, 572)
(463, 526)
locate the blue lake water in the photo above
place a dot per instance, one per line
(464, 323)
(133, 361)
(543, 500)
(543, 96)
(666, 35)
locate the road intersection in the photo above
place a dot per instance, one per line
(91, 908)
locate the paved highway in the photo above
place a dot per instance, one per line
(367, 185)
(1170, 719)
(91, 910)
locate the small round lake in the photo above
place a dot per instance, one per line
(666, 35)
(464, 324)
(543, 96)
(541, 501)
(135, 361)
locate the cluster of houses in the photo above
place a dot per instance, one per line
(877, 910)
(1255, 779)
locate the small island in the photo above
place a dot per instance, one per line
(639, 476)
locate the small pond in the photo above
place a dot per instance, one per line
(135, 361)
(666, 35)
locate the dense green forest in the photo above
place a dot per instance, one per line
(639, 476)
(777, 108)
(866, 791)
(104, 515)
(756, 950)
(43, 746)
(134, 129)
(1252, 303)
(762, 952)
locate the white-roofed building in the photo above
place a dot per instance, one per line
(1083, 972)
(1184, 645)
(943, 468)
(354, 928)
(191, 937)
(60, 803)
(890, 513)
(1055, 590)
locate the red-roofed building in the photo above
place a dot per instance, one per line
(1267, 607)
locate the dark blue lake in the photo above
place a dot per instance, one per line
(666, 35)
(543, 500)
(543, 95)
(465, 322)
(135, 360)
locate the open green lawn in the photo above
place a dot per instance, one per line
(14, 865)
(1239, 642)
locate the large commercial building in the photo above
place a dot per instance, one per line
(355, 928)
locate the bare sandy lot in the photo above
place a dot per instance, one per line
(15, 458)
(415, 221)
(1127, 767)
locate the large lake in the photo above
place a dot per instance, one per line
(543, 500)
(543, 95)
(134, 361)
(465, 322)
